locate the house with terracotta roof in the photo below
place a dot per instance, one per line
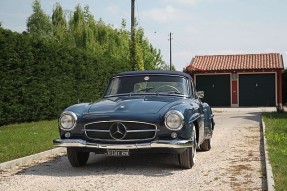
(239, 80)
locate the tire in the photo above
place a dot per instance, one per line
(212, 123)
(77, 158)
(187, 158)
(206, 145)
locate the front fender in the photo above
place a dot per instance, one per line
(208, 120)
(191, 114)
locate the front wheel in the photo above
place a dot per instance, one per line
(187, 158)
(77, 158)
(206, 145)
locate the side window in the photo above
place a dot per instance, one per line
(113, 89)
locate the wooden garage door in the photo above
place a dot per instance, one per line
(216, 89)
(257, 90)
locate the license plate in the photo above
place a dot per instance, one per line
(118, 153)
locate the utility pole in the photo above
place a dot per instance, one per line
(133, 49)
(132, 14)
(170, 58)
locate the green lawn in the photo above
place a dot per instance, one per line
(27, 138)
(276, 134)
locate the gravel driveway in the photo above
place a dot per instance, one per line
(234, 163)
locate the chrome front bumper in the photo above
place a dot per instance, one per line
(172, 144)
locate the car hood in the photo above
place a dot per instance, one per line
(139, 105)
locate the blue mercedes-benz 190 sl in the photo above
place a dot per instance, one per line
(150, 111)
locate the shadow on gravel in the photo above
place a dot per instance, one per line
(152, 165)
(252, 116)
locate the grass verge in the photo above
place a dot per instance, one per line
(276, 135)
(24, 139)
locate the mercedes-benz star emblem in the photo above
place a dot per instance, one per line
(118, 131)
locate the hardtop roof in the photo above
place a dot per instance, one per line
(154, 72)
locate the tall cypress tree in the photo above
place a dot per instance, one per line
(39, 24)
(60, 27)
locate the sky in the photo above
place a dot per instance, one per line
(198, 27)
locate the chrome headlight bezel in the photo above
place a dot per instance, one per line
(70, 117)
(176, 115)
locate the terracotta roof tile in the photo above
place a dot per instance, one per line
(237, 62)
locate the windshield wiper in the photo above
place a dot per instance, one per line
(143, 89)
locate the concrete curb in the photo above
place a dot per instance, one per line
(269, 173)
(32, 158)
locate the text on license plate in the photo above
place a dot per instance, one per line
(118, 153)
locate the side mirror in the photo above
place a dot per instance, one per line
(200, 94)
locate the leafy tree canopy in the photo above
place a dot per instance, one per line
(65, 59)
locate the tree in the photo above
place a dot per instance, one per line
(165, 66)
(60, 27)
(89, 36)
(139, 53)
(39, 24)
(64, 59)
(136, 55)
(78, 26)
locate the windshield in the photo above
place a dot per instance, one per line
(148, 84)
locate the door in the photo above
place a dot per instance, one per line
(216, 89)
(234, 92)
(257, 90)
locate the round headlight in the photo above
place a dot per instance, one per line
(68, 120)
(174, 120)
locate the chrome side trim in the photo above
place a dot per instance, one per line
(194, 117)
(172, 144)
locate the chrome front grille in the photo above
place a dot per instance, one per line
(120, 130)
